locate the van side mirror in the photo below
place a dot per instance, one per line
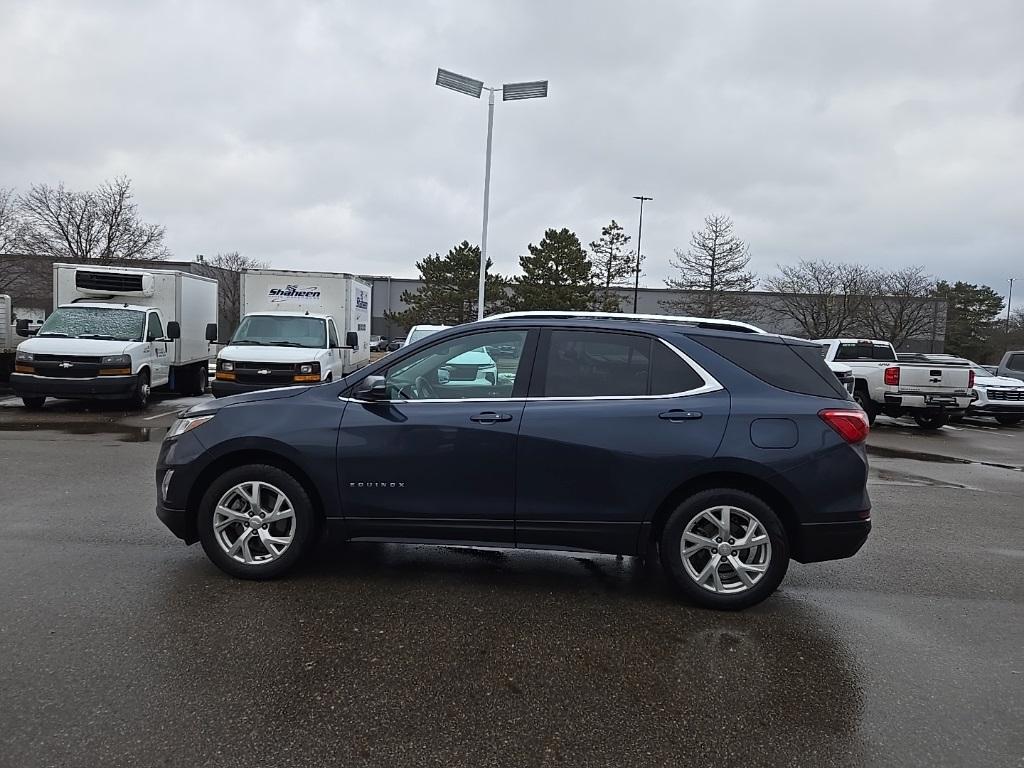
(211, 332)
(352, 340)
(22, 328)
(372, 388)
(173, 330)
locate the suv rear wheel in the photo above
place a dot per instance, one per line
(1009, 421)
(256, 521)
(860, 395)
(725, 549)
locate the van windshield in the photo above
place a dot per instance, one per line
(272, 331)
(95, 323)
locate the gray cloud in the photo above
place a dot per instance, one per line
(311, 135)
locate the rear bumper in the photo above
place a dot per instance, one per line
(100, 387)
(928, 403)
(815, 542)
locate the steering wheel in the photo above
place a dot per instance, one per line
(423, 389)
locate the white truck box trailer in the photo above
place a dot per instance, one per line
(116, 333)
(296, 328)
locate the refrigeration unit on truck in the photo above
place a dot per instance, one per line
(116, 333)
(296, 328)
(8, 340)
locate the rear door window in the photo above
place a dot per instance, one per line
(1015, 363)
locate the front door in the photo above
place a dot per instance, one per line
(159, 351)
(437, 459)
(335, 355)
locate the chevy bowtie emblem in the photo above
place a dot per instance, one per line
(66, 365)
(263, 371)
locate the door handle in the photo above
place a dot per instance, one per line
(490, 417)
(676, 415)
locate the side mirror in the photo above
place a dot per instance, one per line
(352, 340)
(491, 378)
(211, 332)
(443, 375)
(372, 388)
(173, 330)
(22, 328)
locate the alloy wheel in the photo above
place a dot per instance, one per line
(725, 549)
(254, 522)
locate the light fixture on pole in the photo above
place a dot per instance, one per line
(639, 237)
(537, 89)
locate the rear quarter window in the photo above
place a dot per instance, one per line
(1016, 362)
(797, 368)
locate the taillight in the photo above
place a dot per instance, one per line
(892, 376)
(852, 425)
(970, 380)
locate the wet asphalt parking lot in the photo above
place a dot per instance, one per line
(120, 646)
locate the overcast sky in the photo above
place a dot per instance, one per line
(311, 134)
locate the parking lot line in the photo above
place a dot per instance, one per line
(161, 415)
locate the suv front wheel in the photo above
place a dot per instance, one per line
(724, 549)
(256, 521)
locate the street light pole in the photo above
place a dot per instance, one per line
(535, 89)
(1009, 301)
(639, 239)
(487, 205)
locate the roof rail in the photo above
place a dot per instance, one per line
(700, 322)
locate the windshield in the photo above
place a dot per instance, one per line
(95, 323)
(272, 331)
(421, 333)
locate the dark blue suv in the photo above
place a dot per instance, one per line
(730, 449)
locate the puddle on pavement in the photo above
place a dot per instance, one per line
(934, 458)
(121, 432)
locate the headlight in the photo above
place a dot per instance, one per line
(187, 424)
(117, 361)
(227, 365)
(306, 368)
(24, 357)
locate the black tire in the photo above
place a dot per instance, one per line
(1009, 421)
(140, 397)
(198, 380)
(672, 560)
(33, 403)
(305, 534)
(931, 420)
(862, 399)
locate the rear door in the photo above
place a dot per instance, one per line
(613, 423)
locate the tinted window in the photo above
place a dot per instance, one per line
(882, 352)
(1015, 363)
(671, 373)
(796, 369)
(332, 335)
(156, 328)
(592, 364)
(479, 365)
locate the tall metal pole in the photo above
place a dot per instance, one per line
(487, 203)
(1009, 301)
(639, 239)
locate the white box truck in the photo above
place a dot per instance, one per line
(296, 328)
(7, 337)
(116, 333)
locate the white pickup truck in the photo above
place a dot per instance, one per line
(929, 392)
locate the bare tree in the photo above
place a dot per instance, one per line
(713, 268)
(226, 268)
(612, 262)
(10, 222)
(102, 225)
(901, 307)
(824, 298)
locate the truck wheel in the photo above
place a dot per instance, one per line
(140, 398)
(33, 403)
(1009, 421)
(198, 378)
(724, 549)
(931, 420)
(862, 399)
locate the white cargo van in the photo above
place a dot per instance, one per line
(115, 333)
(297, 328)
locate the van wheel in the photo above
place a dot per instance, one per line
(864, 401)
(256, 521)
(724, 549)
(199, 380)
(1009, 421)
(931, 420)
(140, 398)
(33, 403)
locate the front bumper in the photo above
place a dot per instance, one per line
(227, 388)
(99, 387)
(994, 408)
(815, 542)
